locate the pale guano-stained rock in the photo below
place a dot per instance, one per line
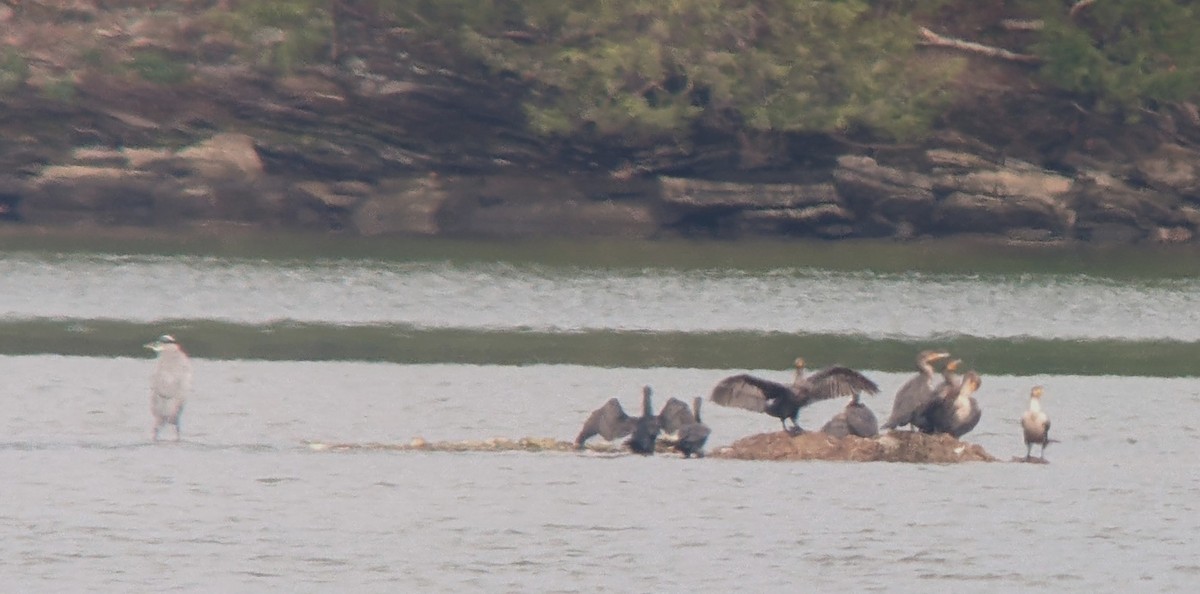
(1171, 168)
(401, 206)
(224, 155)
(888, 200)
(1016, 195)
(1109, 210)
(735, 208)
(524, 206)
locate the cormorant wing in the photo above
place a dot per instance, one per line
(675, 415)
(913, 397)
(608, 421)
(833, 382)
(748, 392)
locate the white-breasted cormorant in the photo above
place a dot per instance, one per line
(1035, 424)
(957, 412)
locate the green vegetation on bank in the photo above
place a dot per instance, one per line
(1121, 55)
(281, 36)
(652, 71)
(660, 71)
(643, 72)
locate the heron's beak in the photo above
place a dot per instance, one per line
(152, 346)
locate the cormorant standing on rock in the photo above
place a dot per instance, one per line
(915, 397)
(784, 402)
(1035, 425)
(645, 432)
(957, 412)
(855, 419)
(693, 436)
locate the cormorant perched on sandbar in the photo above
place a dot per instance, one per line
(951, 380)
(1035, 424)
(914, 398)
(675, 415)
(957, 412)
(693, 436)
(855, 419)
(608, 421)
(645, 431)
(784, 402)
(611, 422)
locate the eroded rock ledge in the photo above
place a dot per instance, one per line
(394, 136)
(894, 446)
(949, 193)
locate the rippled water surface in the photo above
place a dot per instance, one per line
(448, 295)
(244, 504)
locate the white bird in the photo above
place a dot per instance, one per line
(170, 384)
(1035, 424)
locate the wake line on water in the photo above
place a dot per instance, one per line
(406, 344)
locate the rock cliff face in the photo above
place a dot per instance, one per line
(393, 138)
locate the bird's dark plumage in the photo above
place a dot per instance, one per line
(645, 431)
(957, 412)
(855, 419)
(784, 402)
(675, 415)
(694, 435)
(608, 421)
(914, 398)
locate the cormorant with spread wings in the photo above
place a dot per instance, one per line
(784, 402)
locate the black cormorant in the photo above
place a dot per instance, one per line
(855, 419)
(693, 436)
(784, 402)
(645, 431)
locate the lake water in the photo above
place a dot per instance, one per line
(243, 504)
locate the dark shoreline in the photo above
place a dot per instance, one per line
(963, 254)
(407, 344)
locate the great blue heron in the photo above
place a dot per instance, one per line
(611, 422)
(1035, 424)
(915, 397)
(694, 435)
(957, 412)
(784, 402)
(170, 384)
